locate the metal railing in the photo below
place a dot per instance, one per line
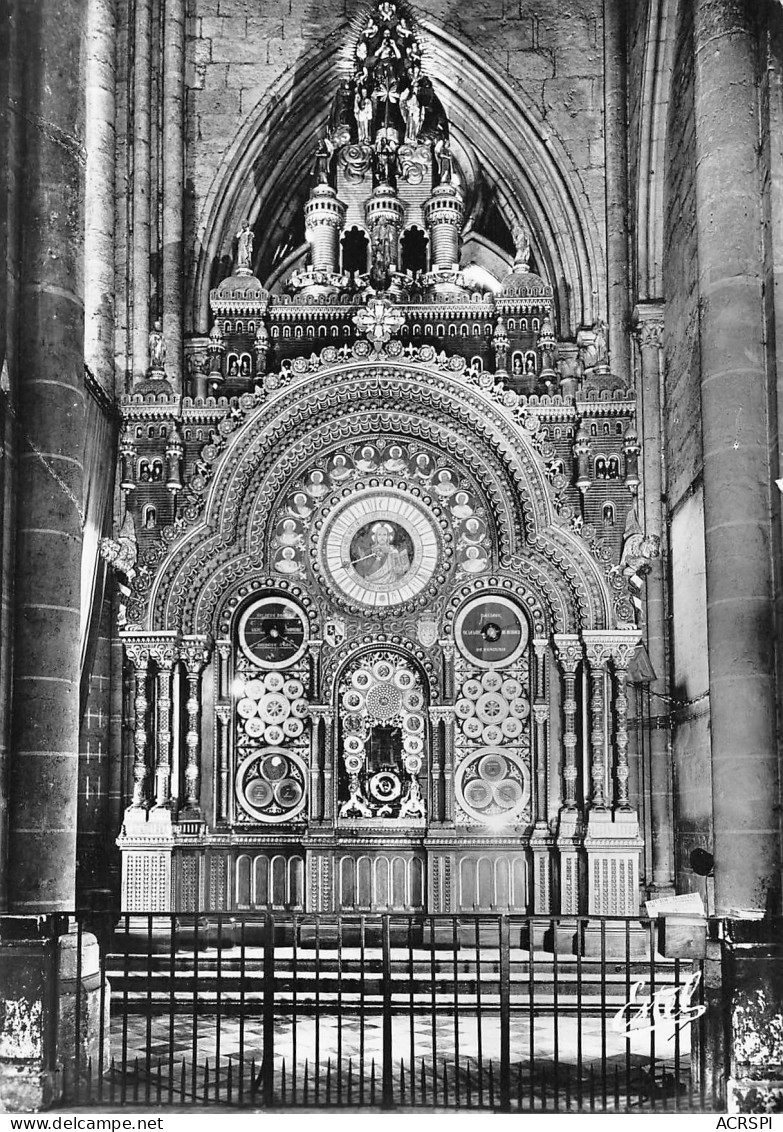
(500, 1012)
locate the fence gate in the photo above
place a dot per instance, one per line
(506, 1013)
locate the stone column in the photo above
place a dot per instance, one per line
(649, 328)
(569, 835)
(99, 197)
(616, 158)
(140, 280)
(612, 841)
(443, 213)
(597, 657)
(441, 717)
(43, 764)
(622, 653)
(223, 786)
(173, 185)
(195, 654)
(164, 657)
(741, 616)
(330, 766)
(139, 657)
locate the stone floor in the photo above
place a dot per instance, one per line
(576, 1063)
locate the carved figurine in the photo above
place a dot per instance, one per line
(323, 157)
(413, 803)
(363, 112)
(157, 347)
(341, 119)
(411, 113)
(522, 245)
(245, 246)
(434, 125)
(601, 344)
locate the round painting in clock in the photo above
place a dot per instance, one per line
(491, 632)
(273, 632)
(379, 549)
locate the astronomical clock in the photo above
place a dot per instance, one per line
(382, 562)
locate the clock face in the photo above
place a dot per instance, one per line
(491, 632)
(380, 549)
(273, 632)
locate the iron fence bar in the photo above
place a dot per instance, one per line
(125, 1012)
(556, 1017)
(242, 981)
(317, 1070)
(218, 1005)
(77, 1065)
(579, 1059)
(102, 1008)
(194, 1008)
(172, 999)
(387, 1082)
(411, 1014)
(455, 989)
(531, 1015)
(148, 1034)
(294, 1000)
(603, 1014)
(628, 999)
(362, 1007)
(505, 1013)
(433, 1013)
(268, 1055)
(339, 1006)
(479, 1019)
(653, 983)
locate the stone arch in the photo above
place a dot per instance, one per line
(250, 473)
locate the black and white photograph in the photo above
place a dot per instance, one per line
(391, 561)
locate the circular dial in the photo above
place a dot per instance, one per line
(491, 632)
(270, 785)
(379, 549)
(273, 632)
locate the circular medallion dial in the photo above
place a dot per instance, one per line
(273, 632)
(491, 632)
(380, 549)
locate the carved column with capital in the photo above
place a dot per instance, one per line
(164, 653)
(223, 714)
(441, 721)
(569, 654)
(649, 326)
(622, 653)
(541, 840)
(569, 835)
(139, 656)
(195, 654)
(597, 657)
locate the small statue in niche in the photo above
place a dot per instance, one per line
(245, 247)
(445, 159)
(157, 347)
(413, 803)
(434, 125)
(321, 162)
(413, 61)
(385, 162)
(523, 248)
(363, 112)
(388, 49)
(601, 344)
(341, 119)
(411, 113)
